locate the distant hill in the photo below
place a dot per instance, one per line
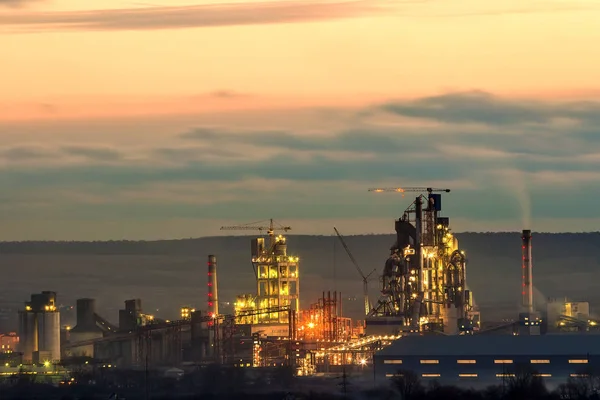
(169, 273)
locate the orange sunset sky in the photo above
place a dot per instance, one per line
(148, 120)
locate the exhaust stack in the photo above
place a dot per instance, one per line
(527, 290)
(213, 300)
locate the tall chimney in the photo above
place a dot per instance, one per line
(527, 292)
(213, 301)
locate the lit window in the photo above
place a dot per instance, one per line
(578, 375)
(503, 361)
(392, 361)
(540, 361)
(578, 361)
(467, 375)
(466, 361)
(543, 375)
(504, 375)
(430, 361)
(431, 375)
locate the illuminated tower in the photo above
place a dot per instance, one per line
(213, 300)
(277, 279)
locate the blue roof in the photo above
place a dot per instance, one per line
(494, 345)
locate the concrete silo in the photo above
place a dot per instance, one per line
(39, 329)
(86, 329)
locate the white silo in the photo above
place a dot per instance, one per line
(39, 329)
(49, 334)
(28, 334)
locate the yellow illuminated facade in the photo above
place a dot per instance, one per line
(244, 308)
(277, 277)
(186, 312)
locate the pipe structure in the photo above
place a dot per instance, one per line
(213, 300)
(527, 290)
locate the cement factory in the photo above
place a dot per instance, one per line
(424, 320)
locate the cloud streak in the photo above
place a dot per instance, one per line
(16, 3)
(198, 16)
(483, 108)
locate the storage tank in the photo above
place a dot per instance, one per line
(28, 334)
(49, 334)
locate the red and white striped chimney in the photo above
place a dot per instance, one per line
(527, 272)
(213, 301)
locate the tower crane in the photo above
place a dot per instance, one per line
(364, 278)
(408, 189)
(253, 227)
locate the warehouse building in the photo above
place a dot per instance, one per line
(482, 360)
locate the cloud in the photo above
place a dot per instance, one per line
(483, 108)
(504, 159)
(173, 17)
(16, 3)
(24, 153)
(93, 153)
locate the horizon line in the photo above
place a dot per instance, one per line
(302, 234)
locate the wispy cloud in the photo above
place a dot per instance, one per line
(483, 108)
(93, 153)
(16, 3)
(172, 17)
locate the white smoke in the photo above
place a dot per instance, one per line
(515, 182)
(520, 188)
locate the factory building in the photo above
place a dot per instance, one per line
(39, 329)
(9, 342)
(485, 360)
(424, 281)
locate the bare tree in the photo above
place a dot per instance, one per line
(585, 385)
(408, 384)
(524, 383)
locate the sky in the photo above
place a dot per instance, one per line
(152, 120)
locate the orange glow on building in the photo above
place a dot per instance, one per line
(8, 342)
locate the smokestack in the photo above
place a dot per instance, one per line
(213, 301)
(527, 292)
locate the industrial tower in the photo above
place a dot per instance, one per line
(424, 284)
(277, 274)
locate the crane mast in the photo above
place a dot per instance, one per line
(355, 263)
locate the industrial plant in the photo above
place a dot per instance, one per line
(425, 318)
